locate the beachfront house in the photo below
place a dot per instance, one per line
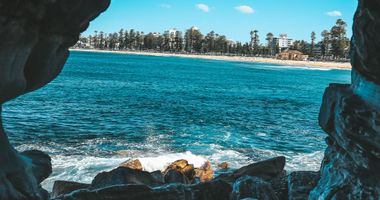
(292, 55)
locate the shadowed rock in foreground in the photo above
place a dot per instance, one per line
(350, 114)
(35, 37)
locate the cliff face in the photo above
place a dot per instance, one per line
(350, 114)
(35, 37)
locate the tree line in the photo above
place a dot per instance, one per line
(334, 42)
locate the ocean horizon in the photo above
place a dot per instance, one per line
(106, 108)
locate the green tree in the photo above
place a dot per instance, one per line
(313, 37)
(193, 40)
(269, 39)
(325, 46)
(338, 39)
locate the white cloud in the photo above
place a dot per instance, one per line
(245, 9)
(166, 6)
(203, 7)
(334, 13)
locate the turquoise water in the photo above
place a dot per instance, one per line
(160, 109)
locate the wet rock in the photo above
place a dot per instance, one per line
(350, 115)
(223, 165)
(158, 176)
(271, 167)
(132, 164)
(214, 190)
(124, 175)
(35, 38)
(65, 187)
(350, 167)
(252, 187)
(205, 173)
(268, 168)
(175, 176)
(279, 184)
(301, 183)
(183, 167)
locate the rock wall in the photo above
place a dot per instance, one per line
(35, 37)
(350, 114)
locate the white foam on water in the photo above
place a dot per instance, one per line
(79, 168)
(301, 67)
(83, 168)
(160, 162)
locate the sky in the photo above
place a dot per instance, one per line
(233, 18)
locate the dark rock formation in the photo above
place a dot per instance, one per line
(301, 183)
(123, 176)
(35, 37)
(350, 114)
(214, 190)
(252, 187)
(268, 168)
(175, 176)
(65, 187)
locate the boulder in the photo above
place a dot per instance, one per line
(132, 164)
(223, 166)
(158, 176)
(66, 187)
(124, 175)
(271, 167)
(267, 169)
(175, 176)
(183, 167)
(214, 190)
(252, 187)
(301, 183)
(205, 173)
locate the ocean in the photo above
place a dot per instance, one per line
(106, 108)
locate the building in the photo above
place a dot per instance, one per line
(292, 55)
(282, 43)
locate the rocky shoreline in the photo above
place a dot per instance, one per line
(34, 48)
(181, 180)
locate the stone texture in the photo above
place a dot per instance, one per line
(183, 167)
(270, 168)
(365, 43)
(224, 165)
(175, 176)
(350, 115)
(301, 183)
(214, 190)
(252, 187)
(205, 172)
(123, 176)
(132, 164)
(35, 37)
(66, 187)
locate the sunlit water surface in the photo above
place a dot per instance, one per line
(160, 109)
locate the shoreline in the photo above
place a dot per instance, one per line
(313, 64)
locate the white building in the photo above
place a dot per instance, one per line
(282, 42)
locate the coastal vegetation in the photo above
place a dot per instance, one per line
(334, 44)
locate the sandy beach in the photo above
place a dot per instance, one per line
(329, 65)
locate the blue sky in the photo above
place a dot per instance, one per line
(233, 18)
